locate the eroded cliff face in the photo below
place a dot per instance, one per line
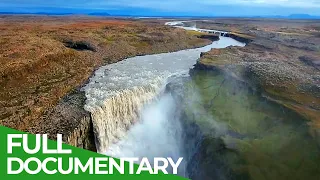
(83, 135)
(71, 120)
(238, 131)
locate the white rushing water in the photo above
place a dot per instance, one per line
(129, 118)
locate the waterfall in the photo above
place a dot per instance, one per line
(138, 122)
(158, 133)
(113, 117)
(131, 115)
(141, 122)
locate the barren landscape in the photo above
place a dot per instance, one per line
(47, 59)
(43, 58)
(247, 111)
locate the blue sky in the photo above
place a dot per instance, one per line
(167, 7)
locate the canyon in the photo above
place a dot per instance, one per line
(232, 111)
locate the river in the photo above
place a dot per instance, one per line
(222, 128)
(117, 95)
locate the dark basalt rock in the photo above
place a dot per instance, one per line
(208, 162)
(202, 54)
(70, 119)
(210, 37)
(239, 38)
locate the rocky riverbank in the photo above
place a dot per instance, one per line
(282, 63)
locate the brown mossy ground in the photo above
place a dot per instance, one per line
(282, 62)
(44, 58)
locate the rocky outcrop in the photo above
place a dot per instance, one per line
(207, 164)
(210, 37)
(71, 120)
(83, 135)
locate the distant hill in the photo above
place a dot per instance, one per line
(99, 14)
(56, 13)
(303, 16)
(296, 16)
(36, 13)
(292, 16)
(52, 14)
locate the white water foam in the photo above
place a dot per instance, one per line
(117, 93)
